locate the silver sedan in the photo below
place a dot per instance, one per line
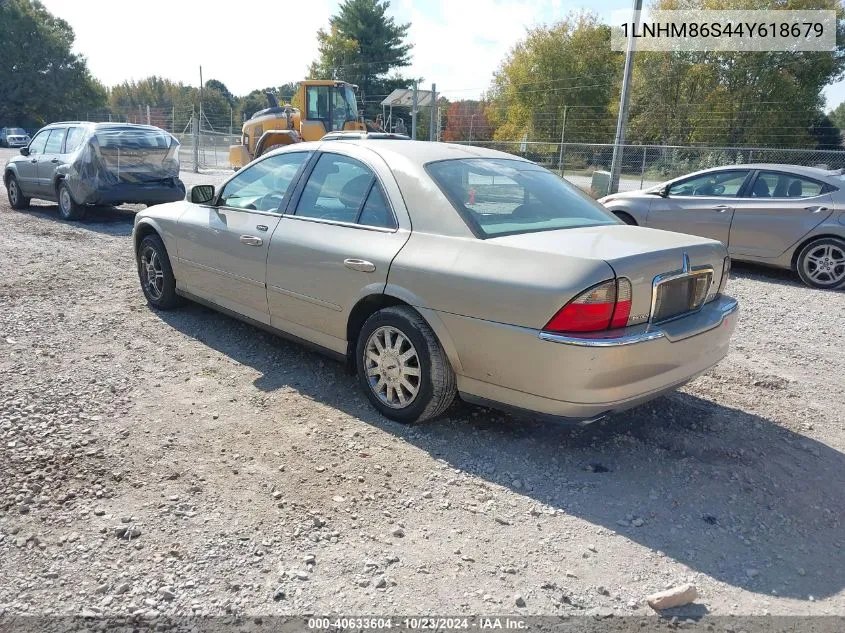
(438, 270)
(785, 216)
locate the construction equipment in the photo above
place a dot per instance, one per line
(317, 108)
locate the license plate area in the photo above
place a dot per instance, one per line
(680, 295)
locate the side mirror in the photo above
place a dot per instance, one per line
(201, 194)
(25, 151)
(664, 192)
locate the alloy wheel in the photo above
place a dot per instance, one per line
(392, 367)
(825, 264)
(13, 191)
(152, 273)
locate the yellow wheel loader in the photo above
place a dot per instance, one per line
(317, 108)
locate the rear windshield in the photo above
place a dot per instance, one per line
(133, 138)
(504, 197)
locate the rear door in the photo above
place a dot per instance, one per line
(49, 161)
(28, 166)
(701, 205)
(223, 246)
(334, 245)
(778, 209)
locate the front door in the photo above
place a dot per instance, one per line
(223, 246)
(28, 166)
(334, 247)
(49, 161)
(702, 205)
(779, 209)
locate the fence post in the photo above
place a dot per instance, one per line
(195, 129)
(642, 169)
(148, 114)
(562, 133)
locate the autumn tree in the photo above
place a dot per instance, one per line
(467, 121)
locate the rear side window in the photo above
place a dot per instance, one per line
(770, 184)
(54, 143)
(505, 197)
(337, 189)
(74, 138)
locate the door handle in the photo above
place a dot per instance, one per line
(359, 265)
(34, 160)
(815, 209)
(721, 208)
(55, 160)
(251, 240)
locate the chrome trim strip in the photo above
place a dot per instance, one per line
(307, 298)
(218, 271)
(630, 339)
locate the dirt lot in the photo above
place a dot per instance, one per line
(247, 475)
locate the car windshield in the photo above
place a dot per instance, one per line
(504, 197)
(16, 131)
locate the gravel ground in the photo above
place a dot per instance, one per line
(186, 463)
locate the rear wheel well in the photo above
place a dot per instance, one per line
(801, 246)
(362, 311)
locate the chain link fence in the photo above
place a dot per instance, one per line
(648, 165)
(212, 150)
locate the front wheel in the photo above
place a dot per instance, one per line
(821, 263)
(402, 367)
(156, 274)
(16, 198)
(68, 209)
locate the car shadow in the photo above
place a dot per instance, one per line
(117, 221)
(766, 274)
(726, 493)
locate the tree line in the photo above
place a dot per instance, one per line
(561, 81)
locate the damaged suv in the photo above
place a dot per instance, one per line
(80, 164)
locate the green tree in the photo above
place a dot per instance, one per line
(365, 47)
(42, 79)
(568, 66)
(826, 134)
(837, 115)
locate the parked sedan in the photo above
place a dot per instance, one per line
(779, 215)
(437, 270)
(80, 164)
(13, 137)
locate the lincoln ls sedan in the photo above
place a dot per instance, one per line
(785, 216)
(437, 271)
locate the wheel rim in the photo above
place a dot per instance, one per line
(392, 367)
(64, 201)
(152, 273)
(13, 191)
(825, 264)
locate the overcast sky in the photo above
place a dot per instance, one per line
(458, 44)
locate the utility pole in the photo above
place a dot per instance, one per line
(148, 114)
(431, 136)
(616, 163)
(199, 120)
(230, 121)
(173, 127)
(414, 114)
(471, 121)
(562, 133)
(195, 129)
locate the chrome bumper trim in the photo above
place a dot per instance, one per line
(650, 333)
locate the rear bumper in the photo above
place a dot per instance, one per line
(584, 378)
(137, 193)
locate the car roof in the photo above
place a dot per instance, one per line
(419, 152)
(801, 170)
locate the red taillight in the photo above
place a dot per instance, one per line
(602, 307)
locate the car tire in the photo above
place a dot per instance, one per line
(156, 274)
(410, 355)
(625, 217)
(16, 198)
(68, 209)
(821, 263)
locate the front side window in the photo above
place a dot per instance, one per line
(722, 184)
(54, 143)
(770, 184)
(504, 197)
(39, 142)
(262, 186)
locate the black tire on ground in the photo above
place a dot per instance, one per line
(625, 217)
(435, 383)
(821, 263)
(16, 198)
(156, 274)
(68, 209)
